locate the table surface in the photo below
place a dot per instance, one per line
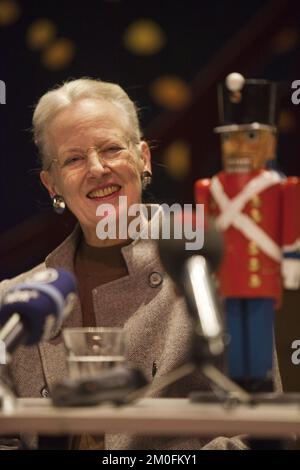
(152, 416)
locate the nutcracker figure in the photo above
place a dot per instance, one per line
(258, 209)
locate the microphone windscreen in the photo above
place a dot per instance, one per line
(173, 252)
(42, 295)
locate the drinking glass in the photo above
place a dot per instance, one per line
(90, 351)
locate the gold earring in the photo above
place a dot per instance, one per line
(58, 204)
(146, 179)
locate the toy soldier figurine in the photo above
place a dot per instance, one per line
(258, 211)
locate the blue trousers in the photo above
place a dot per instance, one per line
(250, 326)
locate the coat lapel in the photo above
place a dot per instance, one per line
(52, 352)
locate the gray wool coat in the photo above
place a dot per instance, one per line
(158, 329)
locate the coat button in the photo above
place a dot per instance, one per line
(255, 281)
(155, 279)
(256, 201)
(256, 215)
(44, 392)
(253, 249)
(254, 265)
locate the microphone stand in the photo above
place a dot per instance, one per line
(10, 335)
(7, 394)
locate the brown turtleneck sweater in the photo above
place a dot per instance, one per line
(95, 266)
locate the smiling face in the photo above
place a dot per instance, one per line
(244, 151)
(79, 173)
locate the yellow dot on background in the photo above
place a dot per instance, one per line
(9, 12)
(285, 40)
(144, 37)
(287, 121)
(170, 92)
(177, 157)
(59, 55)
(40, 33)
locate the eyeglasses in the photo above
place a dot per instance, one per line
(76, 159)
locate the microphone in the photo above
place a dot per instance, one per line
(191, 270)
(36, 308)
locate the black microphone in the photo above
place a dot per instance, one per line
(36, 308)
(191, 270)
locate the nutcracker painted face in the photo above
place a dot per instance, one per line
(247, 150)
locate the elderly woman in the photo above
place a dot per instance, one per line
(88, 136)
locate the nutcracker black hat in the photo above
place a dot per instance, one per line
(246, 104)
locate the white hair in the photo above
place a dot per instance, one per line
(60, 98)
